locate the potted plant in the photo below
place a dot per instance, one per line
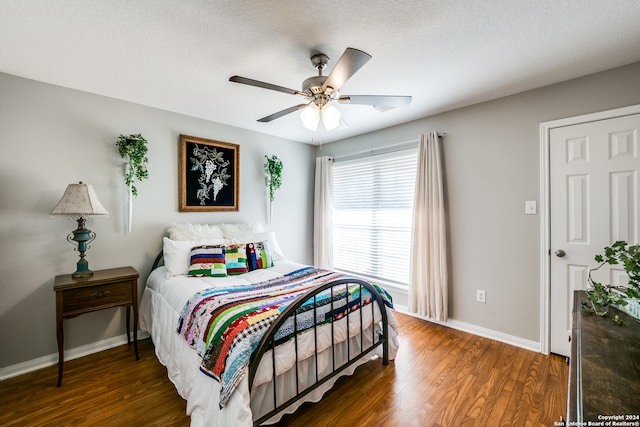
(134, 149)
(602, 296)
(273, 169)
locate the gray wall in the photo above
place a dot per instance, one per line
(53, 136)
(492, 167)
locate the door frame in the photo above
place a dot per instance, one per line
(545, 209)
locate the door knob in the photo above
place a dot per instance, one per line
(560, 253)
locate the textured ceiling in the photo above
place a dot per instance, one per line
(178, 55)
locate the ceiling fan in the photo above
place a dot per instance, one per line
(322, 91)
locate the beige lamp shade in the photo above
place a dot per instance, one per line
(79, 200)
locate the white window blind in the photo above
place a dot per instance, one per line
(372, 215)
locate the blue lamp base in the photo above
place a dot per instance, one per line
(82, 236)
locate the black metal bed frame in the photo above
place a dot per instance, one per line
(268, 340)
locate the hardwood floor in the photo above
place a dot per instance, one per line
(441, 377)
(109, 388)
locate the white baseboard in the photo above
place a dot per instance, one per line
(69, 354)
(480, 331)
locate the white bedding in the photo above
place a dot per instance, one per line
(162, 302)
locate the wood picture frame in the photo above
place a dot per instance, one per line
(208, 175)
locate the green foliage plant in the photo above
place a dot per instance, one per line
(602, 296)
(273, 168)
(134, 149)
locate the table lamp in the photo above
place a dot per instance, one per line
(78, 201)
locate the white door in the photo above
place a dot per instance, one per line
(594, 196)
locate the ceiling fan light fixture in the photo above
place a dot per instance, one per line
(310, 117)
(321, 90)
(330, 117)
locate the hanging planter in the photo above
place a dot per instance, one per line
(133, 148)
(273, 169)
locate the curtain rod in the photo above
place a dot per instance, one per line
(384, 148)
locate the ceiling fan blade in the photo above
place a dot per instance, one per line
(350, 62)
(258, 83)
(282, 113)
(379, 102)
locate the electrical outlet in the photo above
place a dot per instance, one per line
(481, 296)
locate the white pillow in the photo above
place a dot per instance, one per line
(234, 231)
(270, 236)
(195, 232)
(176, 253)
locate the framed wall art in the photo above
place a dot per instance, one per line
(208, 175)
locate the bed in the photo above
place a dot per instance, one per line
(325, 326)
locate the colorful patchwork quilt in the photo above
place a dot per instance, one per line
(225, 325)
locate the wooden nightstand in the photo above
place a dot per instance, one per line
(114, 287)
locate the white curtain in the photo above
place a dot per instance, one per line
(322, 249)
(428, 283)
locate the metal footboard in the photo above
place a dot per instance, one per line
(268, 341)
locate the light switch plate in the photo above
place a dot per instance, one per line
(530, 207)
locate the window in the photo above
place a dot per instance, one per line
(372, 215)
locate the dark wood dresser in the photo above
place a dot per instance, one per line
(604, 373)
